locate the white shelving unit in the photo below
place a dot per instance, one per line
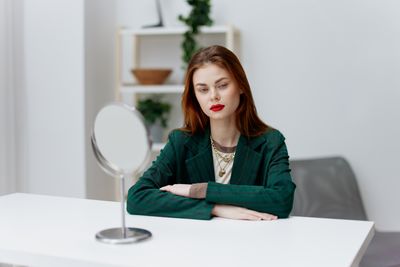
(152, 89)
(176, 30)
(128, 92)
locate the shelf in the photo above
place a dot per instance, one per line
(174, 30)
(152, 89)
(129, 90)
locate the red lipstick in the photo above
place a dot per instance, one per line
(217, 107)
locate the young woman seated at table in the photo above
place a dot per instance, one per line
(225, 161)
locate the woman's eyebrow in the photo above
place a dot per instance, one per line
(200, 84)
(220, 79)
(217, 81)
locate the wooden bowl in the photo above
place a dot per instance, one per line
(151, 76)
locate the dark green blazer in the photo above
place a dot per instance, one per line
(260, 178)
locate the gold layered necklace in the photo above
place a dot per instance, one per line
(223, 160)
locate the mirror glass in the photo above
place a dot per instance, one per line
(121, 145)
(120, 139)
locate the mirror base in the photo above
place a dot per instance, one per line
(115, 235)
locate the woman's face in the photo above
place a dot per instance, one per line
(216, 91)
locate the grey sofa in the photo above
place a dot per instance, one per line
(327, 188)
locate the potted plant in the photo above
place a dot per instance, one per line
(155, 113)
(198, 16)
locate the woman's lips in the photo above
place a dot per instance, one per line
(217, 107)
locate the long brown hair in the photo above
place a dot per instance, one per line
(195, 121)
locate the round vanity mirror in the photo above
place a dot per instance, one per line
(121, 145)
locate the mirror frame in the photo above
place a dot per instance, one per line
(121, 235)
(105, 164)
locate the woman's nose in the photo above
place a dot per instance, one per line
(215, 95)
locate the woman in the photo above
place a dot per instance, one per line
(225, 161)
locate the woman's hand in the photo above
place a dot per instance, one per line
(177, 189)
(224, 211)
(239, 213)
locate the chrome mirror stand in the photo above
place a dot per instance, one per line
(122, 235)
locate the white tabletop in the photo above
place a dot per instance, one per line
(39, 230)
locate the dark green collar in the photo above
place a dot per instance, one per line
(244, 170)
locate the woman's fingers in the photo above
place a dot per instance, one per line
(233, 212)
(250, 217)
(255, 215)
(262, 215)
(266, 216)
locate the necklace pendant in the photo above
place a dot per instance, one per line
(226, 159)
(221, 173)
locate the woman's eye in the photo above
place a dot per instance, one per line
(222, 86)
(202, 89)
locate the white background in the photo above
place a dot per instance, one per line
(325, 73)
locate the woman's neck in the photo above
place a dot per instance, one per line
(224, 133)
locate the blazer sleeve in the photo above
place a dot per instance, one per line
(145, 198)
(276, 194)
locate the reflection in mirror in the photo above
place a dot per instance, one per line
(121, 145)
(121, 138)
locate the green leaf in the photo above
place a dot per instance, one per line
(154, 110)
(198, 16)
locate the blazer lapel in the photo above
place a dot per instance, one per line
(247, 160)
(200, 162)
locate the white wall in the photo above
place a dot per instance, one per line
(11, 92)
(327, 75)
(54, 65)
(57, 69)
(100, 29)
(7, 185)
